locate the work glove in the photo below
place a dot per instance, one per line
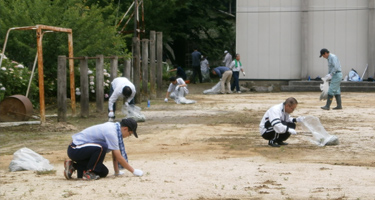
(292, 131)
(220, 79)
(111, 114)
(300, 119)
(126, 104)
(166, 100)
(138, 172)
(328, 77)
(119, 173)
(243, 73)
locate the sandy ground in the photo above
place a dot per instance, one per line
(212, 150)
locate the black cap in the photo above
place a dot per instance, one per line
(323, 51)
(131, 124)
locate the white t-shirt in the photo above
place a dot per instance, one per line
(106, 132)
(172, 87)
(117, 85)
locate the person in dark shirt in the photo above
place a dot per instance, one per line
(180, 73)
(196, 64)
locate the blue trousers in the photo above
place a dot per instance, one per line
(236, 81)
(89, 157)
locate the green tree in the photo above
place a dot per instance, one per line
(92, 26)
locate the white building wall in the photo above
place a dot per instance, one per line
(269, 37)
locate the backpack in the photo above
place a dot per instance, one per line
(353, 76)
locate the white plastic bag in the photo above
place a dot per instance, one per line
(320, 135)
(27, 159)
(133, 111)
(324, 88)
(214, 90)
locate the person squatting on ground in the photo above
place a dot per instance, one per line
(120, 87)
(176, 87)
(236, 67)
(227, 59)
(196, 64)
(276, 125)
(89, 147)
(334, 73)
(225, 75)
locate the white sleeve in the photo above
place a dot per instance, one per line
(274, 118)
(180, 81)
(115, 95)
(232, 65)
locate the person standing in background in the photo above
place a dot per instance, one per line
(227, 59)
(334, 73)
(196, 64)
(236, 67)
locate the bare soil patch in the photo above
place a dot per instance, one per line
(210, 150)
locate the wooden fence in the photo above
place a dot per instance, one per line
(151, 72)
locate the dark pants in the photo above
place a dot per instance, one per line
(196, 70)
(114, 105)
(272, 135)
(236, 81)
(89, 157)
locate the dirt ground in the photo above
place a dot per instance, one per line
(211, 150)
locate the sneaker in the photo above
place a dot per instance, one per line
(89, 175)
(272, 143)
(69, 169)
(239, 92)
(282, 143)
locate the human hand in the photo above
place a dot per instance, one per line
(292, 131)
(328, 77)
(111, 114)
(166, 100)
(126, 104)
(300, 119)
(243, 73)
(220, 79)
(138, 172)
(119, 173)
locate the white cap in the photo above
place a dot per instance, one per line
(225, 51)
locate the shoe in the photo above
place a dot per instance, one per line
(229, 92)
(282, 143)
(89, 175)
(272, 143)
(239, 92)
(69, 169)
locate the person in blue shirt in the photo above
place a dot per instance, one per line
(225, 75)
(196, 64)
(179, 72)
(334, 73)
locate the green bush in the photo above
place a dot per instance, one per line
(14, 79)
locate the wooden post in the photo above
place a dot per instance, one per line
(61, 89)
(41, 76)
(84, 82)
(99, 84)
(71, 73)
(136, 68)
(114, 67)
(152, 66)
(127, 69)
(145, 96)
(159, 69)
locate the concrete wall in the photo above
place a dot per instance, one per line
(281, 39)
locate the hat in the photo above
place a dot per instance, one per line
(131, 124)
(323, 51)
(225, 51)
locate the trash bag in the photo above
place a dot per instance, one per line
(179, 96)
(354, 76)
(214, 90)
(320, 135)
(324, 88)
(27, 159)
(133, 111)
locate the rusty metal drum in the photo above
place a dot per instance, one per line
(15, 108)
